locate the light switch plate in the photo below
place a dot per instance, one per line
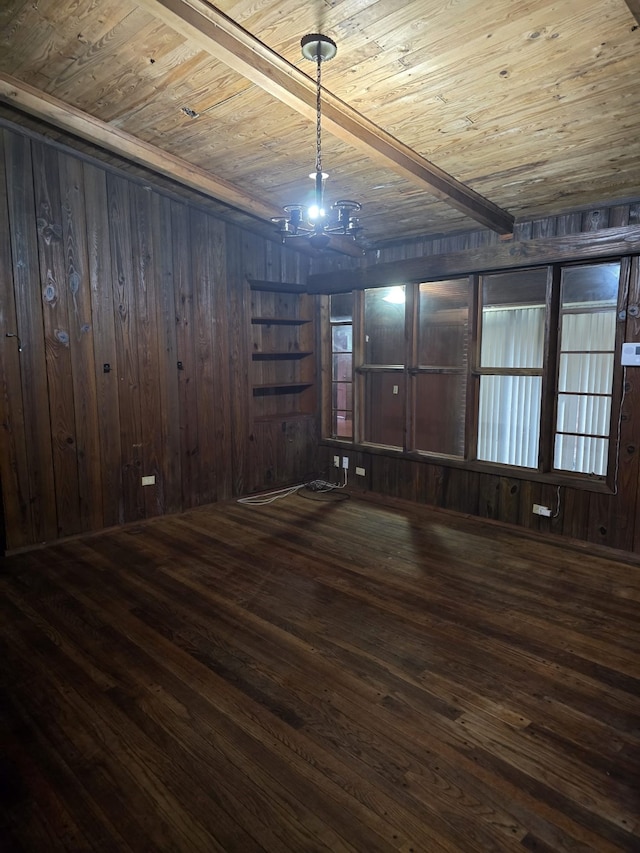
(630, 355)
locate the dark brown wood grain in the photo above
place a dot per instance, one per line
(17, 511)
(29, 316)
(58, 291)
(104, 342)
(145, 249)
(319, 676)
(80, 307)
(126, 346)
(167, 374)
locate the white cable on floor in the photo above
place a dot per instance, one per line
(271, 497)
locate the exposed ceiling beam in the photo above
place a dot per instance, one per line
(88, 127)
(218, 35)
(634, 6)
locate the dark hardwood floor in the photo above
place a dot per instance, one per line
(312, 676)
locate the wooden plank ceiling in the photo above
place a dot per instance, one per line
(532, 106)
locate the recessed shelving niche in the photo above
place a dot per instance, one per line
(282, 351)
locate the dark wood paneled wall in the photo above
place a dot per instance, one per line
(604, 518)
(132, 314)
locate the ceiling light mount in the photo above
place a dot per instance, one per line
(314, 221)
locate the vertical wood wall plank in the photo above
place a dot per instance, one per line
(126, 338)
(184, 309)
(224, 381)
(14, 473)
(79, 305)
(28, 295)
(55, 297)
(104, 343)
(239, 361)
(144, 296)
(167, 358)
(203, 269)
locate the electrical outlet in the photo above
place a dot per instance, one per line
(345, 462)
(336, 461)
(149, 481)
(541, 510)
(360, 472)
(395, 389)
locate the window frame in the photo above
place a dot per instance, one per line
(545, 472)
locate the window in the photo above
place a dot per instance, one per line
(588, 309)
(511, 360)
(513, 369)
(383, 368)
(439, 379)
(341, 313)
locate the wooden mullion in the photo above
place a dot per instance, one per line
(509, 371)
(473, 362)
(359, 377)
(548, 408)
(411, 332)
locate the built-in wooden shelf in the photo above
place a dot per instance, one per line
(283, 364)
(278, 321)
(277, 286)
(279, 356)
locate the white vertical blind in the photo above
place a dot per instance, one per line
(509, 409)
(586, 380)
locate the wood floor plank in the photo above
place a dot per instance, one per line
(306, 676)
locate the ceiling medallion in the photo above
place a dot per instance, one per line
(314, 221)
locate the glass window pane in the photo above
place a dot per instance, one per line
(342, 424)
(341, 307)
(513, 316)
(342, 338)
(509, 419)
(342, 395)
(443, 323)
(440, 413)
(512, 337)
(583, 414)
(581, 454)
(595, 285)
(594, 331)
(384, 409)
(342, 367)
(584, 373)
(384, 325)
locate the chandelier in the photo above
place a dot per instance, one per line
(314, 221)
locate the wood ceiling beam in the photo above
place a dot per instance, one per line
(62, 115)
(218, 35)
(634, 7)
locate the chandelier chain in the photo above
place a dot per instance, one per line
(318, 117)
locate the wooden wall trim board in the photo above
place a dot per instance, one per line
(88, 127)
(605, 242)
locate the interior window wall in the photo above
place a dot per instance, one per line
(528, 384)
